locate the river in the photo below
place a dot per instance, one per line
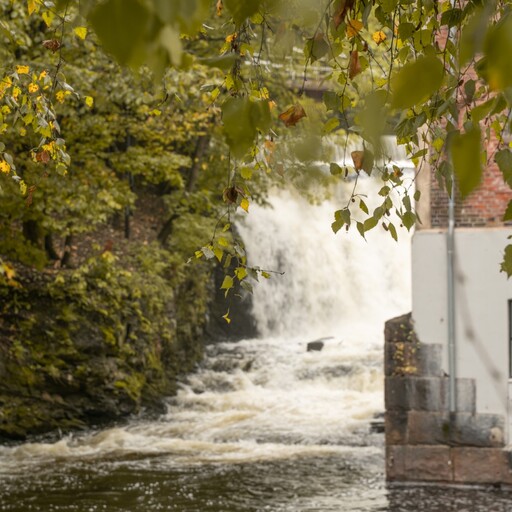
(263, 424)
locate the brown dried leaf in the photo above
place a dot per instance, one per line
(43, 157)
(342, 6)
(30, 195)
(293, 115)
(358, 158)
(354, 67)
(219, 7)
(230, 195)
(52, 44)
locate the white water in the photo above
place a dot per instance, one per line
(270, 398)
(334, 285)
(295, 418)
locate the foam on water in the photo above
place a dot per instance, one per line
(270, 398)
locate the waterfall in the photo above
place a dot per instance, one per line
(333, 285)
(262, 424)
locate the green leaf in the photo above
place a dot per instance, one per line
(170, 40)
(498, 49)
(504, 160)
(242, 9)
(451, 17)
(246, 173)
(408, 220)
(316, 47)
(186, 15)
(335, 169)
(122, 26)
(465, 153)
(363, 206)
(508, 212)
(370, 223)
(405, 30)
(389, 5)
(341, 217)
(392, 231)
(223, 62)
(331, 100)
(331, 125)
(481, 111)
(472, 35)
(242, 119)
(506, 265)
(416, 82)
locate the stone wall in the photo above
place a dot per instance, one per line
(424, 441)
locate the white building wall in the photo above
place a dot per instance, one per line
(481, 293)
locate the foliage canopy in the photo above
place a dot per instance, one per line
(435, 73)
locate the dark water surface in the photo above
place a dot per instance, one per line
(338, 482)
(263, 425)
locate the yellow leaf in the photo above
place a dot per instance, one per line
(4, 167)
(23, 187)
(33, 87)
(241, 273)
(89, 101)
(226, 317)
(379, 36)
(227, 284)
(218, 253)
(33, 6)
(48, 17)
(354, 27)
(81, 32)
(155, 112)
(244, 204)
(8, 271)
(60, 95)
(22, 70)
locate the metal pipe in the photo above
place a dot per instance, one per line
(450, 276)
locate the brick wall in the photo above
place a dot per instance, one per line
(483, 208)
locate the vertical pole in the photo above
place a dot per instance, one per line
(450, 253)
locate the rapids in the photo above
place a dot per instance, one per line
(263, 424)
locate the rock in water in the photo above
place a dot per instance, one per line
(315, 345)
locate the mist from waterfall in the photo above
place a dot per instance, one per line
(333, 284)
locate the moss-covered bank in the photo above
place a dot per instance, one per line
(92, 345)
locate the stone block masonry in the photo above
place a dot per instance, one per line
(424, 441)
